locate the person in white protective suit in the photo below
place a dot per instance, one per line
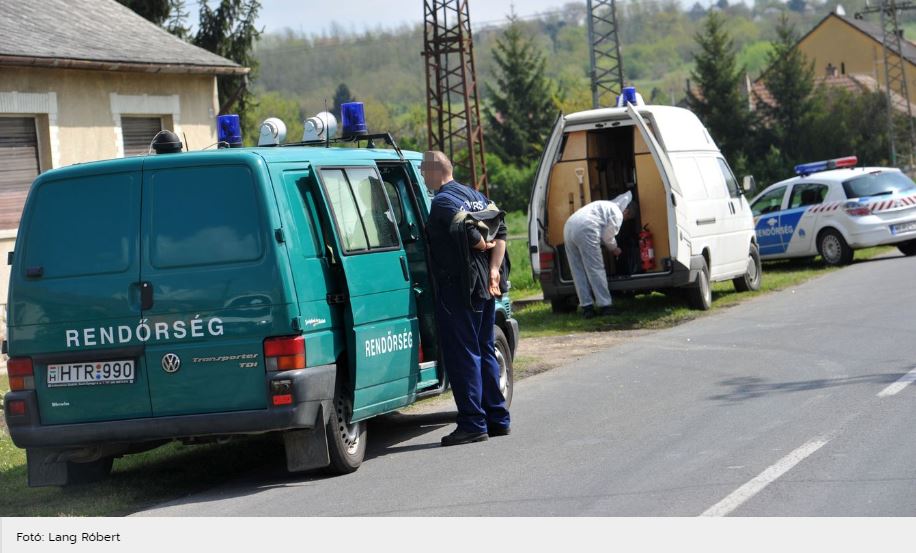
(585, 231)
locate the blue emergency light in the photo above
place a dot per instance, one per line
(353, 119)
(229, 130)
(815, 166)
(629, 96)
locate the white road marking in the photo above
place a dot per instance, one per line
(762, 480)
(898, 386)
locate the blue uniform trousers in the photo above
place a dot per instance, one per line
(466, 338)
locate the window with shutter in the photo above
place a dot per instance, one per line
(18, 166)
(138, 132)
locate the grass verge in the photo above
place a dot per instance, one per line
(658, 310)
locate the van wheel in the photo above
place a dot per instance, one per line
(907, 248)
(699, 296)
(86, 473)
(504, 358)
(750, 281)
(346, 440)
(563, 305)
(833, 248)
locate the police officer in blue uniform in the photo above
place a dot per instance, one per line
(465, 317)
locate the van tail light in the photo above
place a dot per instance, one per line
(21, 375)
(16, 408)
(856, 209)
(546, 259)
(284, 353)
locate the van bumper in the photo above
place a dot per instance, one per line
(311, 387)
(679, 276)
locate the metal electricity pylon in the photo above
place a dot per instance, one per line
(902, 143)
(604, 52)
(452, 108)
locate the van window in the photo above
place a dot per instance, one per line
(809, 193)
(730, 180)
(203, 215)
(99, 215)
(689, 177)
(769, 202)
(364, 218)
(712, 178)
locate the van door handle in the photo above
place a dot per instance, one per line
(404, 268)
(710, 221)
(146, 296)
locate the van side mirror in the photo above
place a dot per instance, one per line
(747, 183)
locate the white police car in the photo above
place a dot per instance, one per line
(832, 208)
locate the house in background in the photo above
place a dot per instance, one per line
(83, 80)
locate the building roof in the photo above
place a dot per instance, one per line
(97, 34)
(855, 83)
(872, 30)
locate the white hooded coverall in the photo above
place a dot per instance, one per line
(584, 232)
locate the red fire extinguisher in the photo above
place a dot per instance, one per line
(646, 249)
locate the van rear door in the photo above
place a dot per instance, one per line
(214, 282)
(536, 205)
(74, 297)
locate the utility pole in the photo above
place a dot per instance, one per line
(902, 144)
(452, 108)
(604, 52)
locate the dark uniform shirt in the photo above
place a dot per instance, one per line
(448, 259)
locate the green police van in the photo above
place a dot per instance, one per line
(196, 296)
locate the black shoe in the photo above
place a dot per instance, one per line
(459, 437)
(607, 311)
(588, 312)
(499, 431)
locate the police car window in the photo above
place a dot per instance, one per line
(203, 215)
(730, 181)
(878, 183)
(395, 200)
(374, 209)
(809, 193)
(769, 202)
(346, 212)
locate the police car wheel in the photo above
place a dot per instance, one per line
(907, 248)
(86, 473)
(699, 296)
(750, 281)
(833, 248)
(346, 440)
(504, 358)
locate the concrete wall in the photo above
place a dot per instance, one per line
(839, 43)
(79, 114)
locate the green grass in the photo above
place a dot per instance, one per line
(523, 283)
(657, 310)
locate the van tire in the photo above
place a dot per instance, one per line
(87, 473)
(833, 248)
(504, 358)
(750, 281)
(907, 248)
(346, 441)
(564, 304)
(699, 296)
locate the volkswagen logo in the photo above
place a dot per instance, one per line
(171, 363)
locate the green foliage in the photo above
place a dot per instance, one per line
(510, 183)
(719, 104)
(521, 105)
(273, 104)
(156, 11)
(230, 31)
(341, 96)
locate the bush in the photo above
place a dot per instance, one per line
(510, 184)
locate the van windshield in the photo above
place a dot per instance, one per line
(878, 183)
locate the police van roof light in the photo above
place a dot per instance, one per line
(229, 130)
(815, 166)
(630, 96)
(353, 119)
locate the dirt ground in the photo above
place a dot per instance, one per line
(536, 355)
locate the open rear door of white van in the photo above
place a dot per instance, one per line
(661, 158)
(536, 211)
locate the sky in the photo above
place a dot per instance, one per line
(315, 16)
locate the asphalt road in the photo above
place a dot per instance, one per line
(793, 404)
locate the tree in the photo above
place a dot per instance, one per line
(719, 103)
(229, 31)
(790, 81)
(341, 96)
(520, 109)
(168, 14)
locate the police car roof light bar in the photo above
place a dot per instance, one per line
(807, 168)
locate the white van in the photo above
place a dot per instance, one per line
(688, 199)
